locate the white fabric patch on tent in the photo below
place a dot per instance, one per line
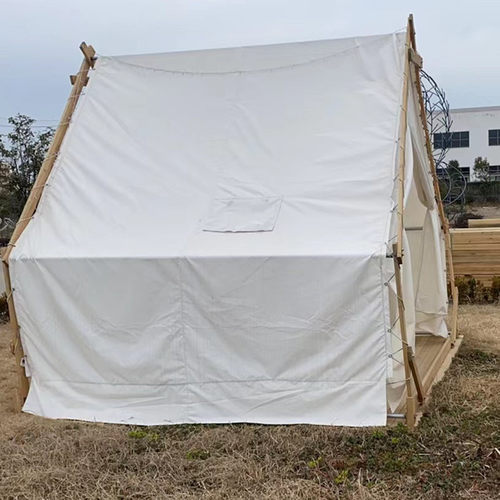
(242, 215)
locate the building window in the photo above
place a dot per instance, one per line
(495, 172)
(443, 173)
(494, 137)
(451, 140)
(465, 172)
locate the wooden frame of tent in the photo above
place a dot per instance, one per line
(433, 354)
(79, 81)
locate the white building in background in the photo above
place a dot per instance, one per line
(474, 132)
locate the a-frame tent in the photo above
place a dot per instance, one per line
(236, 235)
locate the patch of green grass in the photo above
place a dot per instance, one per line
(315, 462)
(150, 436)
(198, 454)
(137, 434)
(342, 477)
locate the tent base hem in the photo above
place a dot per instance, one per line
(306, 403)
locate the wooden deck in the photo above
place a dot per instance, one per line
(433, 357)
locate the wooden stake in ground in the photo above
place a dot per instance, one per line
(30, 207)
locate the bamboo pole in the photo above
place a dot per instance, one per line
(30, 207)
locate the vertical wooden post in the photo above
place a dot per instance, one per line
(29, 209)
(16, 347)
(403, 124)
(454, 317)
(410, 398)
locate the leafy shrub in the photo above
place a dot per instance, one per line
(495, 288)
(4, 308)
(471, 291)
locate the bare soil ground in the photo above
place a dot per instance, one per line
(454, 453)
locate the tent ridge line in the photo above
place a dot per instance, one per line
(80, 81)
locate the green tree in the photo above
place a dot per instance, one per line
(482, 169)
(482, 173)
(22, 151)
(453, 169)
(450, 178)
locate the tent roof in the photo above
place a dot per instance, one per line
(162, 144)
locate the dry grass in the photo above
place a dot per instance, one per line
(451, 454)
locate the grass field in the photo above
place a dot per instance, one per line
(454, 453)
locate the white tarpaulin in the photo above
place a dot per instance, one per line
(211, 245)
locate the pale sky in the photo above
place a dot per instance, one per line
(39, 39)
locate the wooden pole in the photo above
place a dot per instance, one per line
(444, 221)
(410, 398)
(454, 317)
(403, 124)
(31, 204)
(408, 356)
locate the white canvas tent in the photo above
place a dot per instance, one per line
(211, 239)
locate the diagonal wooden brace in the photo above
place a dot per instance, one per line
(416, 375)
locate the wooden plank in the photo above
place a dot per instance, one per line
(31, 205)
(479, 237)
(475, 230)
(444, 364)
(476, 252)
(483, 223)
(436, 364)
(473, 253)
(454, 317)
(449, 259)
(441, 353)
(431, 350)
